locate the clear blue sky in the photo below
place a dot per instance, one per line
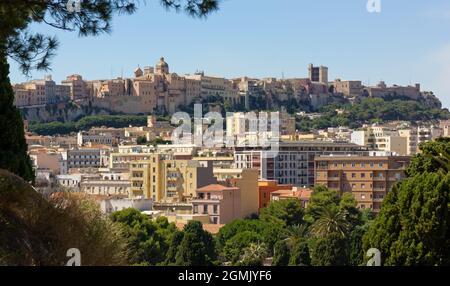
(408, 42)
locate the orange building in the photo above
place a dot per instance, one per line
(265, 188)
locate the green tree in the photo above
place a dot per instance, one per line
(253, 255)
(355, 248)
(300, 255)
(197, 247)
(148, 240)
(13, 147)
(413, 225)
(321, 199)
(281, 253)
(331, 221)
(289, 212)
(232, 250)
(330, 251)
(434, 156)
(171, 256)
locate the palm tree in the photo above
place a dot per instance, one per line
(297, 232)
(254, 254)
(331, 221)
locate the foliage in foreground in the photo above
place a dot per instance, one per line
(35, 231)
(413, 227)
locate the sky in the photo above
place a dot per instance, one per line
(407, 42)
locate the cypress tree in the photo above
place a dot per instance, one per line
(13, 147)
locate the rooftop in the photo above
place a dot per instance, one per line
(216, 188)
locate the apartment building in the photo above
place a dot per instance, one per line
(85, 138)
(163, 178)
(84, 158)
(368, 178)
(293, 163)
(221, 203)
(106, 187)
(418, 135)
(381, 138)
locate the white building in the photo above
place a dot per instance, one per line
(112, 205)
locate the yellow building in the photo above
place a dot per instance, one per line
(164, 178)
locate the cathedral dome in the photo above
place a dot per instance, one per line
(162, 67)
(162, 63)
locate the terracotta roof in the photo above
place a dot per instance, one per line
(216, 188)
(300, 193)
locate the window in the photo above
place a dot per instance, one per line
(363, 175)
(215, 209)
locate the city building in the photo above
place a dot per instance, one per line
(381, 138)
(266, 188)
(368, 178)
(110, 205)
(293, 162)
(78, 87)
(301, 194)
(40, 92)
(163, 178)
(85, 138)
(221, 203)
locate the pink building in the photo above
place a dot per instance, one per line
(221, 203)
